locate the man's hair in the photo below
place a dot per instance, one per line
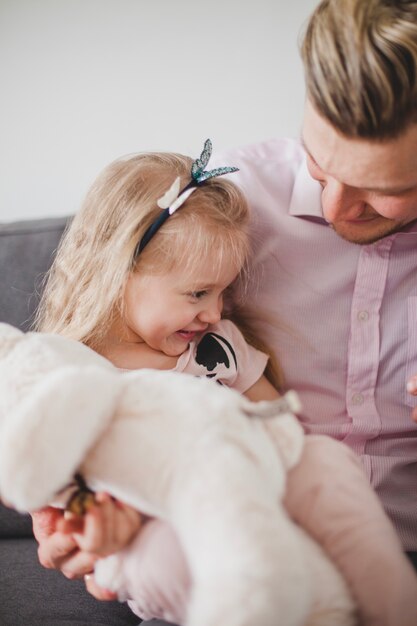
(360, 61)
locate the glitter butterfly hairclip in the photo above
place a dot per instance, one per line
(174, 197)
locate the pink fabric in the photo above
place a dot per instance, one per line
(245, 364)
(341, 318)
(156, 574)
(329, 496)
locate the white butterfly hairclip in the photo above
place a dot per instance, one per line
(174, 198)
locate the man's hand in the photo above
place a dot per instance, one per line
(412, 389)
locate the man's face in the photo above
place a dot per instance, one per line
(369, 187)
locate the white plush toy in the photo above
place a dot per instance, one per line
(179, 448)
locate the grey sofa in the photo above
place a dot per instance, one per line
(29, 594)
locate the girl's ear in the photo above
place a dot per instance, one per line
(45, 438)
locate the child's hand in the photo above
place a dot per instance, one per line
(98, 592)
(59, 550)
(412, 389)
(106, 527)
(73, 545)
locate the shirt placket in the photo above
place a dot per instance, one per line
(364, 343)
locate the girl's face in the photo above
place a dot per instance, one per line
(168, 311)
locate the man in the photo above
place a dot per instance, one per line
(335, 236)
(338, 259)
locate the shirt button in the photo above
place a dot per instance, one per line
(357, 399)
(363, 316)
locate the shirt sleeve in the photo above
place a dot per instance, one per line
(223, 355)
(329, 496)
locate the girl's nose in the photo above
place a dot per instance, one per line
(212, 314)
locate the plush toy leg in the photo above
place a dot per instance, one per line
(244, 553)
(333, 605)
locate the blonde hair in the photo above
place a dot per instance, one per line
(84, 287)
(360, 61)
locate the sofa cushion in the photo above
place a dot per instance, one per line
(13, 524)
(26, 252)
(34, 596)
(30, 594)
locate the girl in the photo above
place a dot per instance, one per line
(140, 277)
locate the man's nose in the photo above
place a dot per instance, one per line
(341, 202)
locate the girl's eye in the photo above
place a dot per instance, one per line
(197, 295)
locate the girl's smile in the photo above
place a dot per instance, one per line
(167, 311)
(188, 335)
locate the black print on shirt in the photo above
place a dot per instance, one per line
(214, 351)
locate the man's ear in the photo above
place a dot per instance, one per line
(47, 435)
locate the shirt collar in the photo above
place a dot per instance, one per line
(306, 195)
(410, 229)
(306, 199)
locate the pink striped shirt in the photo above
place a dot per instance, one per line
(342, 319)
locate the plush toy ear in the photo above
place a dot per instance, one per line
(9, 336)
(45, 438)
(288, 435)
(284, 428)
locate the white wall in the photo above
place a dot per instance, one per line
(85, 81)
